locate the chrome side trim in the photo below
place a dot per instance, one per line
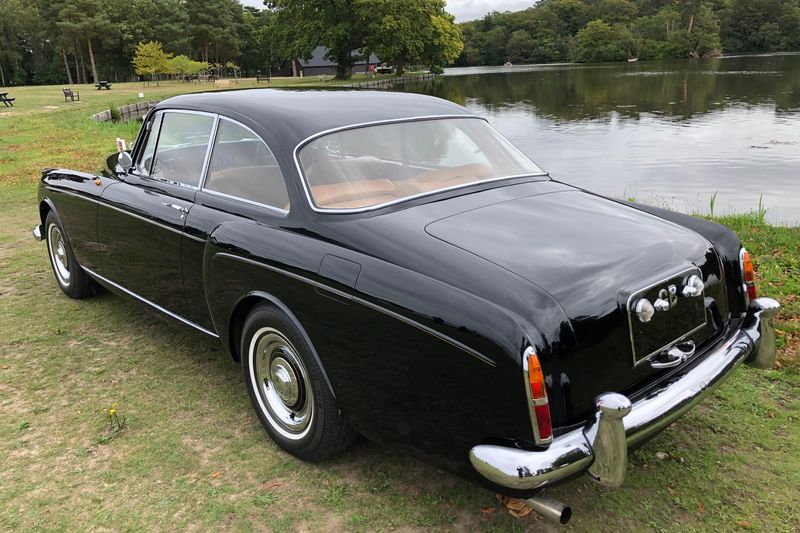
(365, 303)
(246, 201)
(601, 442)
(134, 215)
(151, 304)
(37, 232)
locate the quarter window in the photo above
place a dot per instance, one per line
(181, 150)
(243, 166)
(146, 160)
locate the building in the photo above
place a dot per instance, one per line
(318, 64)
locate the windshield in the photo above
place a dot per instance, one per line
(375, 165)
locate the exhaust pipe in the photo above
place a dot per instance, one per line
(552, 509)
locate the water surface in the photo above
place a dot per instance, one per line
(669, 133)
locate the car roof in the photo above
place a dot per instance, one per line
(290, 116)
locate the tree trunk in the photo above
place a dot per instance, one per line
(342, 65)
(205, 52)
(91, 59)
(66, 66)
(2, 76)
(77, 64)
(400, 68)
(691, 23)
(83, 64)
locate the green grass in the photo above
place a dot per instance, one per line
(193, 455)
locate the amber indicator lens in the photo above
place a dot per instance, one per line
(749, 276)
(536, 378)
(541, 408)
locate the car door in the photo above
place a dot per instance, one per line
(141, 219)
(244, 186)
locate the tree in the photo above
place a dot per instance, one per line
(84, 20)
(601, 42)
(184, 66)
(520, 47)
(151, 60)
(215, 27)
(303, 25)
(402, 32)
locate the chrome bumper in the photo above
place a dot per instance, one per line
(601, 448)
(37, 232)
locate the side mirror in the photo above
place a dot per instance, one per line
(125, 161)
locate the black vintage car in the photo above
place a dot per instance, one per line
(389, 265)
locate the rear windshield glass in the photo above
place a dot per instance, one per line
(375, 165)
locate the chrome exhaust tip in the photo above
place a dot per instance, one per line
(552, 509)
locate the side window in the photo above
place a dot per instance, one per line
(146, 159)
(243, 166)
(181, 150)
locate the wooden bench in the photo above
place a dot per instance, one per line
(103, 85)
(69, 94)
(261, 78)
(8, 102)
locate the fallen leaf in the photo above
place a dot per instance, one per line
(671, 491)
(701, 508)
(771, 415)
(662, 456)
(743, 524)
(273, 485)
(215, 475)
(486, 511)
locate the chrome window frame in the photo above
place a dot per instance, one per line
(360, 125)
(210, 154)
(203, 169)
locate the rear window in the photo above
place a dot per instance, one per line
(386, 163)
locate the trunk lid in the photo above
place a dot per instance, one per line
(596, 258)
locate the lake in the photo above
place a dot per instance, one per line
(668, 133)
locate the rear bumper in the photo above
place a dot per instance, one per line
(601, 447)
(37, 232)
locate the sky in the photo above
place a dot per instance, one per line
(462, 9)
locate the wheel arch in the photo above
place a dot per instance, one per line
(45, 207)
(243, 308)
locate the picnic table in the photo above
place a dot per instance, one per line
(8, 102)
(102, 84)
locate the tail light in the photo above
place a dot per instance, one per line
(749, 275)
(537, 398)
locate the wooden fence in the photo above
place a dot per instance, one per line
(126, 112)
(391, 82)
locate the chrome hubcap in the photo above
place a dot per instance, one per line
(281, 382)
(58, 254)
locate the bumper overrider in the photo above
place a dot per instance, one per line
(601, 447)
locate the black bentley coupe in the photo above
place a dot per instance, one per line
(389, 265)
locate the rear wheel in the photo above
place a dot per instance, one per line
(72, 279)
(288, 389)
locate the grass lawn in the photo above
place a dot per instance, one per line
(192, 454)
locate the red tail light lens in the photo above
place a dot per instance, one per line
(749, 274)
(543, 421)
(537, 392)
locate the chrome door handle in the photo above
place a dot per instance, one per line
(176, 207)
(675, 356)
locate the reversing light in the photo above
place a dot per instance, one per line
(749, 275)
(537, 396)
